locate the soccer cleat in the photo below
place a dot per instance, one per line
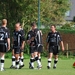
(48, 67)
(21, 66)
(16, 68)
(39, 67)
(31, 67)
(12, 67)
(54, 67)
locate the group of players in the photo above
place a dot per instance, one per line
(34, 40)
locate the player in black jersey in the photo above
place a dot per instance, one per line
(22, 49)
(18, 43)
(4, 42)
(35, 42)
(54, 40)
(21, 58)
(39, 45)
(31, 42)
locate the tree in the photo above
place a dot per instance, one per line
(26, 11)
(54, 10)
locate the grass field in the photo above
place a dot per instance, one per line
(64, 67)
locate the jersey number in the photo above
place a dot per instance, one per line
(1, 36)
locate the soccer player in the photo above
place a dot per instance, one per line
(35, 42)
(31, 42)
(18, 44)
(21, 54)
(53, 40)
(40, 46)
(22, 49)
(4, 42)
(38, 42)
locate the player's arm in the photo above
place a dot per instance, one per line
(23, 39)
(30, 38)
(62, 45)
(23, 44)
(8, 39)
(61, 42)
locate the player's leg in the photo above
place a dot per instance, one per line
(2, 60)
(50, 57)
(39, 56)
(49, 60)
(37, 60)
(31, 63)
(17, 52)
(40, 49)
(21, 60)
(17, 61)
(55, 61)
(13, 59)
(3, 50)
(55, 56)
(32, 60)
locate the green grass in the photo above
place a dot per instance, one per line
(64, 67)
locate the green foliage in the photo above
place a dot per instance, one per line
(66, 26)
(54, 10)
(51, 11)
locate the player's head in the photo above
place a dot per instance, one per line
(33, 25)
(4, 22)
(17, 26)
(53, 28)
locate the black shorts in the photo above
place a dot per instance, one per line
(54, 50)
(40, 48)
(17, 50)
(3, 48)
(32, 48)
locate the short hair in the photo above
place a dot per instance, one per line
(18, 23)
(33, 23)
(4, 21)
(53, 25)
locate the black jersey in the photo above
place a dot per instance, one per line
(53, 38)
(38, 36)
(30, 35)
(18, 38)
(4, 34)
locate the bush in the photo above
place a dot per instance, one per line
(66, 26)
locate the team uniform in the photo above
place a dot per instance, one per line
(4, 35)
(32, 43)
(18, 38)
(38, 46)
(54, 39)
(38, 40)
(31, 48)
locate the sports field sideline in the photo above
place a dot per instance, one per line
(64, 67)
